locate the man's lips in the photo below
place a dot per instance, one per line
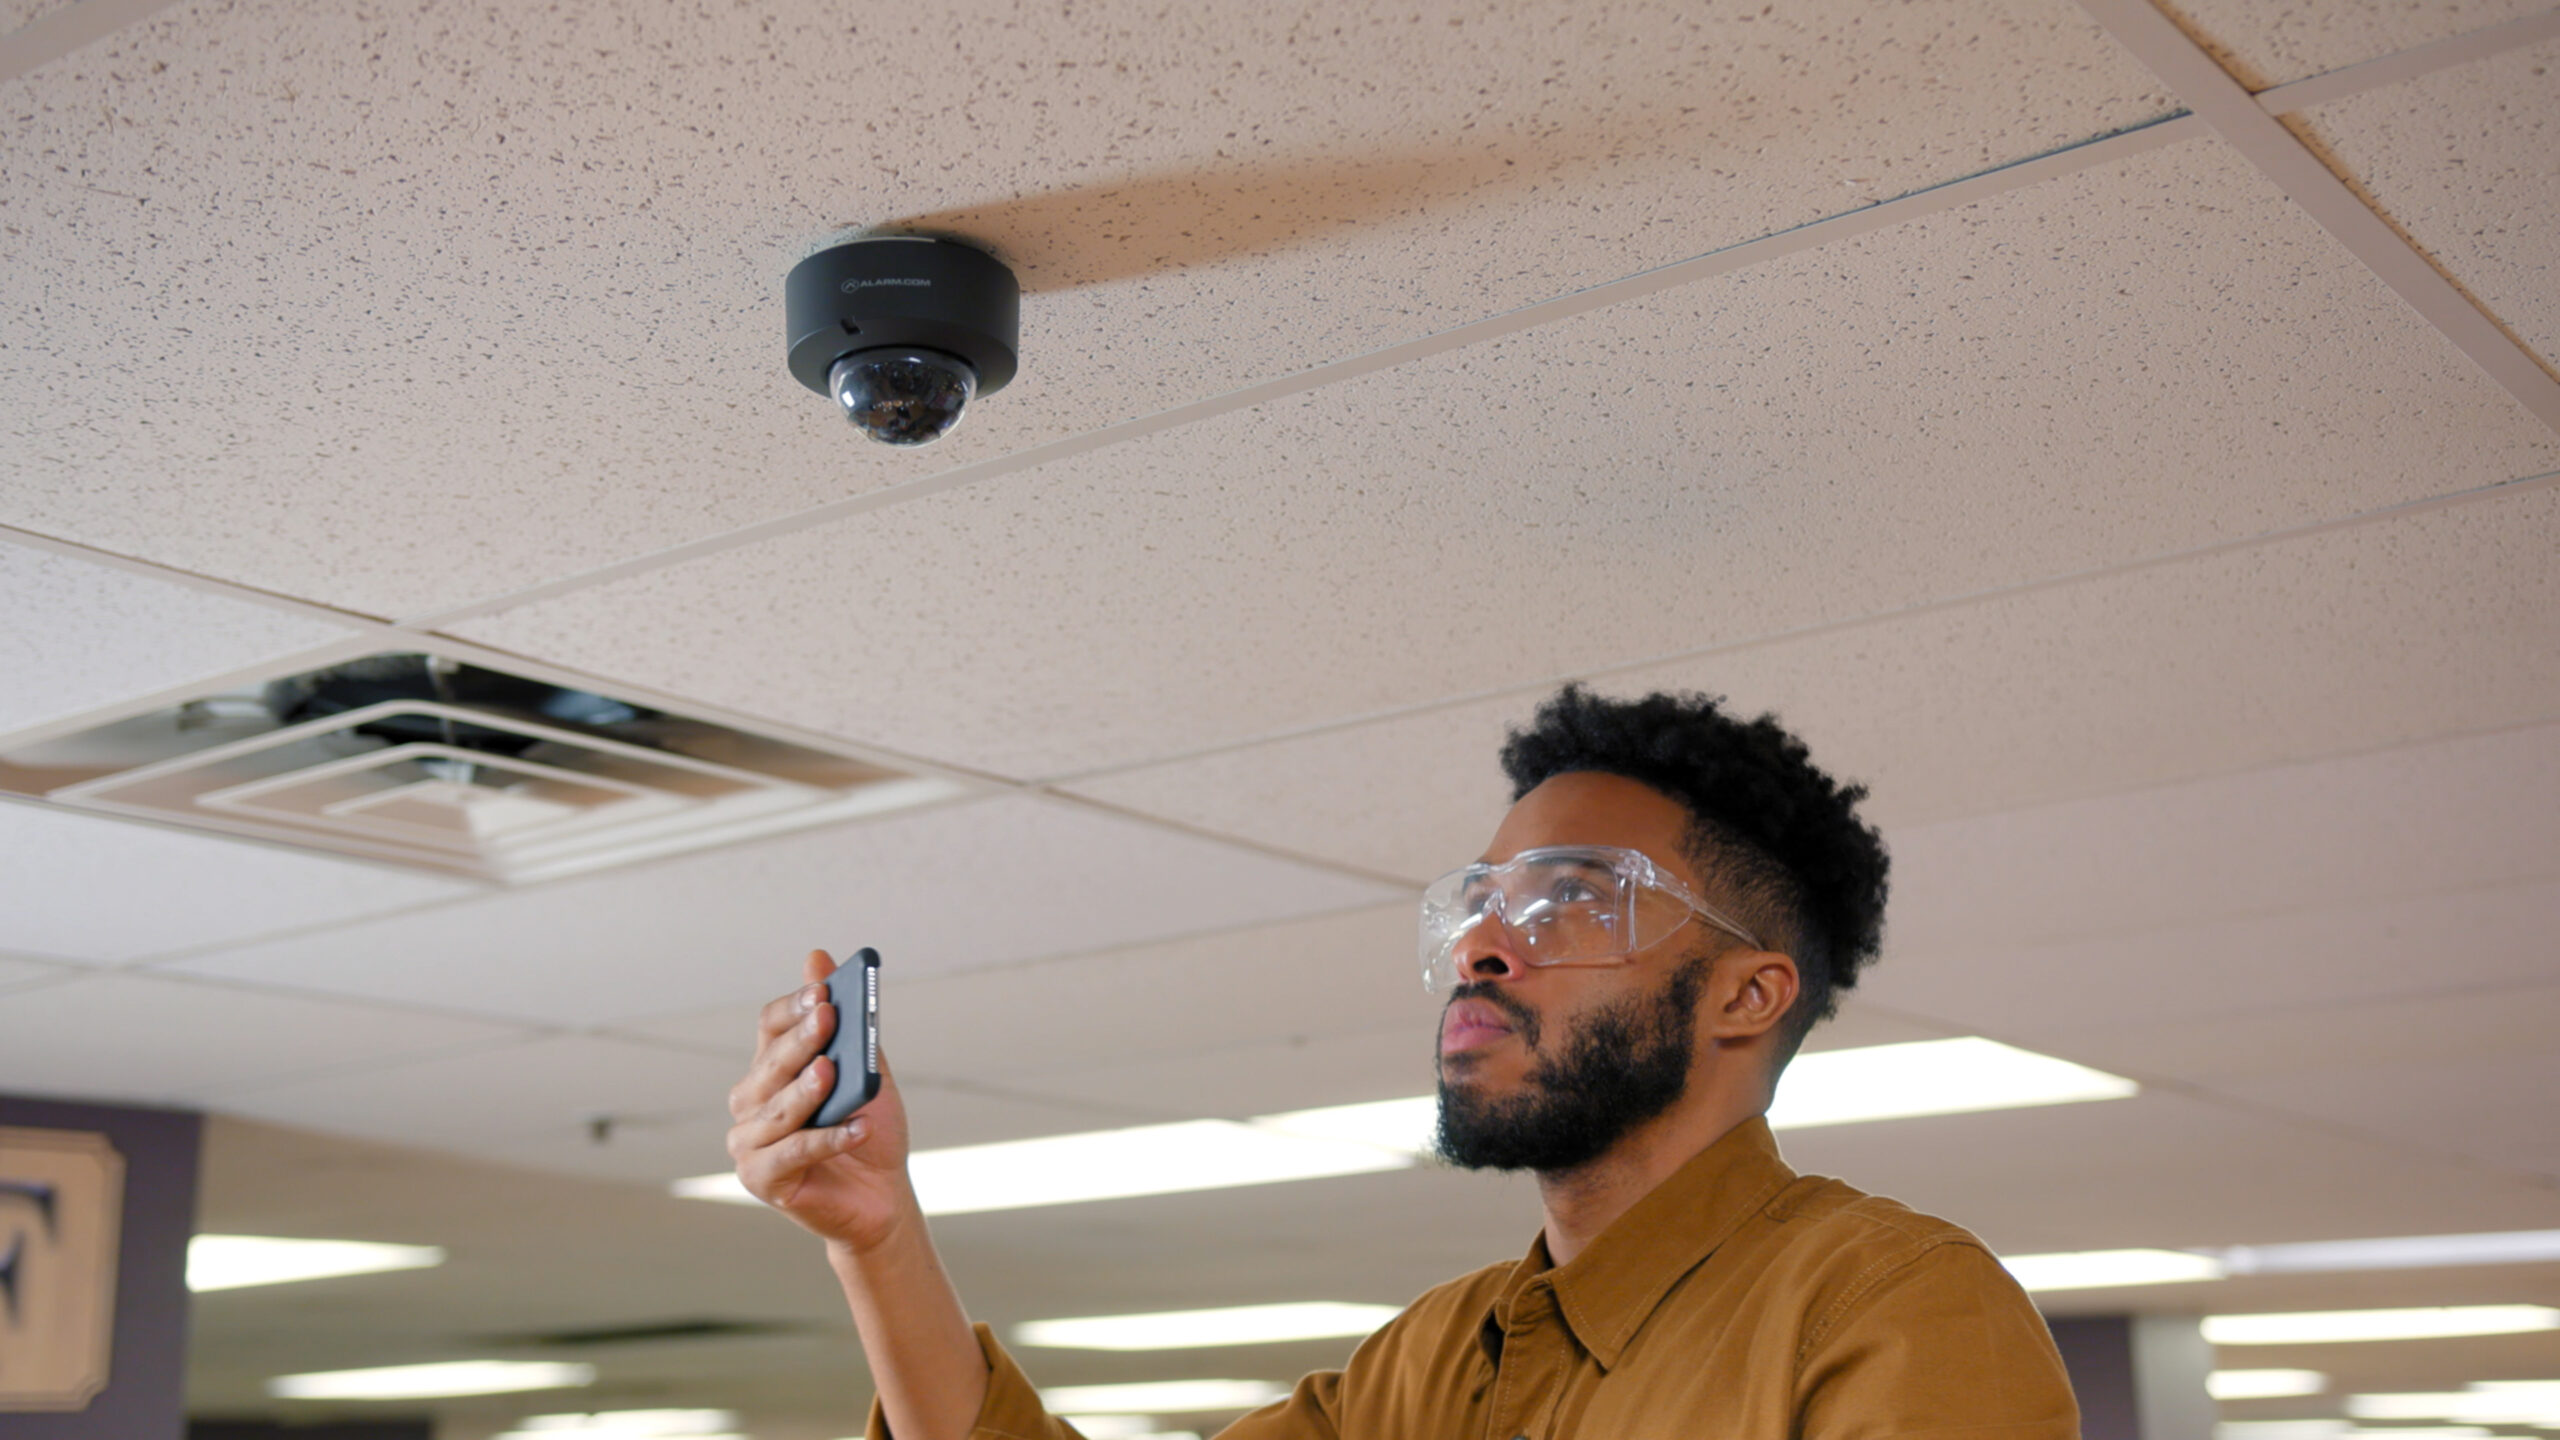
(1470, 1023)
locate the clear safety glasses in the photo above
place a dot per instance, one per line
(1560, 905)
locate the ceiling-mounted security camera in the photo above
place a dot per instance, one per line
(904, 331)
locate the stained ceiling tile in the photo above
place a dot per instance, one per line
(156, 1041)
(79, 887)
(2466, 162)
(2274, 42)
(589, 267)
(81, 636)
(2352, 640)
(935, 891)
(2125, 362)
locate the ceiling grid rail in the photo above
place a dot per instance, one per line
(2227, 107)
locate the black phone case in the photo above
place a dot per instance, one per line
(854, 989)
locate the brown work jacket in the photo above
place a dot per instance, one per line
(1737, 1301)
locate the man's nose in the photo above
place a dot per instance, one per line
(1490, 951)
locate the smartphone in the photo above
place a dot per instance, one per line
(854, 989)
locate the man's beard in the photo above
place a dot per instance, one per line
(1620, 1066)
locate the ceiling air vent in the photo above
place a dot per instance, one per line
(444, 765)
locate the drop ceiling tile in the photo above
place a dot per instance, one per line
(936, 891)
(17, 974)
(2125, 362)
(2246, 978)
(534, 1104)
(2212, 665)
(572, 228)
(156, 1041)
(82, 635)
(78, 887)
(2467, 163)
(2492, 1108)
(15, 13)
(2321, 1027)
(2274, 42)
(1276, 982)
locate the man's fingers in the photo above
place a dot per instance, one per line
(817, 967)
(772, 1172)
(773, 1108)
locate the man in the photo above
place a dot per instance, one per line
(1672, 902)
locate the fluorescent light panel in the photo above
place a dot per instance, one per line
(2095, 1269)
(2493, 1402)
(2320, 1327)
(1931, 1077)
(1196, 1329)
(1122, 1427)
(1162, 1397)
(233, 1262)
(2406, 1252)
(2264, 1384)
(427, 1382)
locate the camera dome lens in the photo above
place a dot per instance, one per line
(903, 396)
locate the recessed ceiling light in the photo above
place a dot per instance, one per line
(1162, 1397)
(2512, 1402)
(233, 1262)
(1195, 1329)
(2405, 1252)
(1931, 1077)
(1123, 1427)
(2094, 1269)
(2319, 1327)
(2264, 1384)
(426, 1382)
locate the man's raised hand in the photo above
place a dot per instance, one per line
(845, 1183)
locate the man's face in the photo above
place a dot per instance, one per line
(1546, 1068)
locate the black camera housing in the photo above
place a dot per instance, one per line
(902, 291)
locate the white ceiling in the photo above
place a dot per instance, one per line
(2054, 461)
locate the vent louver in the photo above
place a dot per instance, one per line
(443, 765)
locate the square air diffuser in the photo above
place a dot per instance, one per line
(432, 762)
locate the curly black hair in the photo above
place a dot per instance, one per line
(1782, 839)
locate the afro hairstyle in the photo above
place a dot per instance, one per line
(1781, 838)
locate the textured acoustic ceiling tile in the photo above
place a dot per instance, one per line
(2189, 999)
(2315, 1027)
(2467, 163)
(545, 1088)
(2273, 42)
(130, 1037)
(2121, 362)
(935, 891)
(2357, 639)
(15, 13)
(499, 301)
(1266, 983)
(2492, 1107)
(80, 636)
(77, 887)
(17, 974)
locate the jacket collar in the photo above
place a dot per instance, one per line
(1610, 1289)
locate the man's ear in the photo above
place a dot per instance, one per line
(1759, 987)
